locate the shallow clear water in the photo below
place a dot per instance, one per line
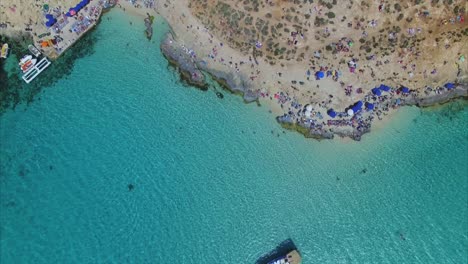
(216, 181)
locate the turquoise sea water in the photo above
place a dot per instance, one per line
(216, 181)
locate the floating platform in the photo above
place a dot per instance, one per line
(39, 67)
(284, 253)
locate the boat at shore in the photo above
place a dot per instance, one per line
(34, 50)
(4, 52)
(26, 63)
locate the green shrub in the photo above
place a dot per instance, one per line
(397, 7)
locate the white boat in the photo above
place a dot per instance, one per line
(25, 59)
(4, 52)
(27, 62)
(34, 50)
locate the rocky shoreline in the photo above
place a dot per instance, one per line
(183, 62)
(459, 92)
(149, 26)
(192, 71)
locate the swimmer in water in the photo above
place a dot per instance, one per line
(402, 237)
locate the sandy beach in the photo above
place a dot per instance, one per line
(309, 63)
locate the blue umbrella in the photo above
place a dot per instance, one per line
(320, 74)
(357, 106)
(331, 113)
(405, 89)
(384, 87)
(49, 16)
(369, 106)
(376, 91)
(449, 86)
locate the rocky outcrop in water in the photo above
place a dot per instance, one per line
(460, 91)
(183, 61)
(149, 26)
(235, 83)
(192, 69)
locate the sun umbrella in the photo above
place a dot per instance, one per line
(405, 89)
(320, 74)
(369, 106)
(376, 91)
(449, 86)
(384, 87)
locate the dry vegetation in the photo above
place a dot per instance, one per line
(323, 23)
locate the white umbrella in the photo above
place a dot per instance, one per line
(350, 112)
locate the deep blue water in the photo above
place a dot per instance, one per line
(216, 181)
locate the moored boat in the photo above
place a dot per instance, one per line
(27, 62)
(4, 51)
(34, 50)
(284, 253)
